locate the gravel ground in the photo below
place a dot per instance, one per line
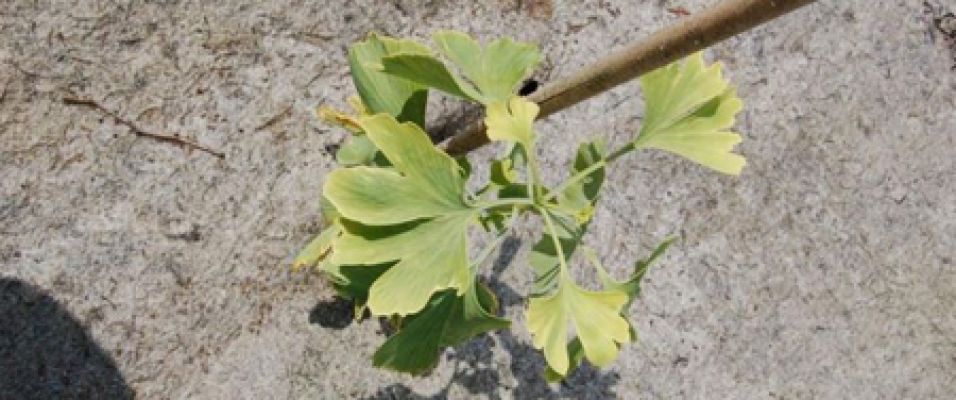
(136, 267)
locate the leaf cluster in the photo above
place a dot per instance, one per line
(398, 211)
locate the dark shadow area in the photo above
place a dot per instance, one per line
(452, 120)
(334, 314)
(476, 370)
(507, 296)
(45, 353)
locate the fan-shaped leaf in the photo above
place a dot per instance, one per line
(689, 109)
(630, 287)
(383, 93)
(512, 121)
(490, 74)
(495, 70)
(413, 214)
(596, 318)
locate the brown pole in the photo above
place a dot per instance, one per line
(691, 34)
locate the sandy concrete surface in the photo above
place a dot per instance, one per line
(136, 267)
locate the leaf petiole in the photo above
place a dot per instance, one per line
(490, 248)
(588, 171)
(534, 172)
(553, 232)
(504, 203)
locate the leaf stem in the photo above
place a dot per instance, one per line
(589, 170)
(490, 248)
(546, 215)
(627, 148)
(534, 173)
(504, 202)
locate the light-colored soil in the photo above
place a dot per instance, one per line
(826, 270)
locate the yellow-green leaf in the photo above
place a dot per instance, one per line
(380, 92)
(630, 287)
(337, 117)
(496, 70)
(512, 121)
(690, 108)
(425, 69)
(432, 255)
(490, 74)
(425, 182)
(413, 214)
(595, 317)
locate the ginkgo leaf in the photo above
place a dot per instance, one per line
(431, 256)
(449, 319)
(630, 287)
(413, 213)
(496, 70)
(426, 70)
(490, 74)
(381, 92)
(512, 121)
(596, 319)
(689, 110)
(599, 339)
(424, 182)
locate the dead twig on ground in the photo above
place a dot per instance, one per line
(275, 119)
(136, 130)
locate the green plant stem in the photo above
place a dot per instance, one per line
(546, 215)
(534, 174)
(490, 248)
(504, 202)
(588, 171)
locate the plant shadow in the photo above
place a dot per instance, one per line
(336, 313)
(45, 353)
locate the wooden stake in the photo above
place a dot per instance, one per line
(688, 35)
